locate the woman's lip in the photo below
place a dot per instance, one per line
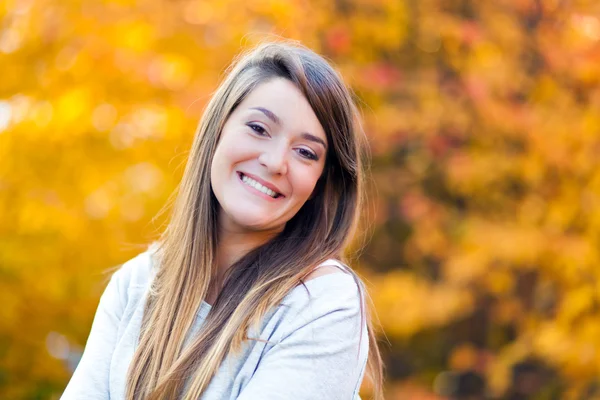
(262, 182)
(256, 191)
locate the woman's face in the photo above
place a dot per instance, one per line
(269, 157)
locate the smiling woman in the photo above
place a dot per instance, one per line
(265, 140)
(246, 295)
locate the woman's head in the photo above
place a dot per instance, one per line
(283, 118)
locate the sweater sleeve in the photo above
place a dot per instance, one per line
(318, 354)
(90, 381)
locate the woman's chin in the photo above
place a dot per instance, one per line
(254, 222)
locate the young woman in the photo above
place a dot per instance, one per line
(244, 296)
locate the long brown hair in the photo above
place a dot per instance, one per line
(259, 281)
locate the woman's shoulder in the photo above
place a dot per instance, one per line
(332, 300)
(332, 284)
(139, 270)
(330, 266)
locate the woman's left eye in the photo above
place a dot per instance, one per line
(308, 154)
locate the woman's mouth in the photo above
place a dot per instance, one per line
(257, 186)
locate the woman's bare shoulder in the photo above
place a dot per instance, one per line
(322, 271)
(327, 267)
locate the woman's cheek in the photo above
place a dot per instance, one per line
(305, 184)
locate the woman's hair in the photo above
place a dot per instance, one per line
(260, 280)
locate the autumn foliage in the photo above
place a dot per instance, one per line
(484, 120)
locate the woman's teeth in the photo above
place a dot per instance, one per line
(258, 186)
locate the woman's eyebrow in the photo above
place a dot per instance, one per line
(277, 121)
(269, 114)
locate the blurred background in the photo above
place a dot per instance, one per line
(484, 123)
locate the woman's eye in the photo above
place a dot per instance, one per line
(308, 154)
(258, 129)
(303, 152)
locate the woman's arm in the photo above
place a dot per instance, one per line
(318, 359)
(90, 379)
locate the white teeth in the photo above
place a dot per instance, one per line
(258, 186)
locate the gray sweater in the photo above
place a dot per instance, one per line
(313, 353)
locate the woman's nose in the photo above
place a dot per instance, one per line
(274, 159)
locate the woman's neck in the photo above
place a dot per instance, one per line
(234, 242)
(231, 247)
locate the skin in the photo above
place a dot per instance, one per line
(279, 153)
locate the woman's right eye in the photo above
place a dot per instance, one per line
(258, 129)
